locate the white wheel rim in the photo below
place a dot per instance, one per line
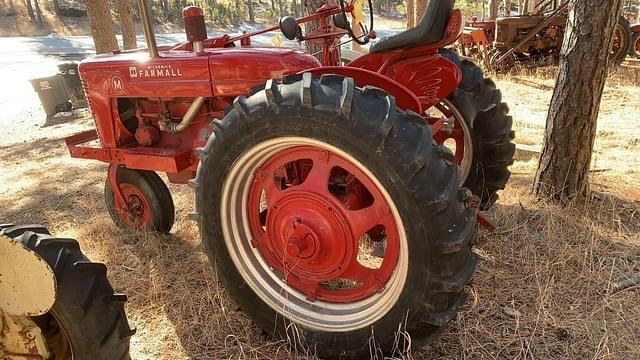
(285, 300)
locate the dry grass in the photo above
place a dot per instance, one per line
(541, 289)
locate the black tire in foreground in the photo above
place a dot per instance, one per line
(396, 149)
(88, 320)
(150, 198)
(480, 103)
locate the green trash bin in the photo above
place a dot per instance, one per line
(52, 93)
(71, 77)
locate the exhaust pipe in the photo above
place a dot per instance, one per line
(145, 16)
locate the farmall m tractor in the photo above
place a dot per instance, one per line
(338, 204)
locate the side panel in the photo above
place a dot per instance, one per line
(236, 70)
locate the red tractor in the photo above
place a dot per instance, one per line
(336, 203)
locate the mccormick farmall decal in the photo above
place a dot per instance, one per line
(158, 71)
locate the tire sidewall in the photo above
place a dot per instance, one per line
(156, 194)
(232, 145)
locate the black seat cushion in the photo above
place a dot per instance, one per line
(430, 30)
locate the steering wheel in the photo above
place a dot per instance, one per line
(365, 30)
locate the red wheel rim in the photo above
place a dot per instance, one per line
(308, 211)
(137, 213)
(460, 135)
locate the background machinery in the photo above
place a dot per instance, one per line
(531, 39)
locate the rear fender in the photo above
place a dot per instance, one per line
(635, 28)
(405, 99)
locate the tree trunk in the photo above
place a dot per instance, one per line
(252, 16)
(39, 20)
(125, 16)
(273, 5)
(570, 132)
(30, 10)
(164, 4)
(296, 12)
(493, 9)
(411, 14)
(101, 26)
(420, 8)
(56, 6)
(280, 8)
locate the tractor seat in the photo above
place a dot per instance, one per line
(430, 30)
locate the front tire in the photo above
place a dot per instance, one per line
(88, 319)
(285, 237)
(149, 203)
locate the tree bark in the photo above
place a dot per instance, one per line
(252, 16)
(295, 8)
(32, 16)
(493, 9)
(563, 169)
(411, 14)
(164, 4)
(125, 16)
(101, 26)
(39, 20)
(56, 6)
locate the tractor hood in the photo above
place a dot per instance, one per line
(230, 71)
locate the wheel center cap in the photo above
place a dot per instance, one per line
(302, 242)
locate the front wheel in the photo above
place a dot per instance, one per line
(333, 219)
(148, 207)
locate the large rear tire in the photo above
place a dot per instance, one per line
(482, 109)
(287, 189)
(88, 319)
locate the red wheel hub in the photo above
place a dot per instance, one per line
(136, 212)
(309, 209)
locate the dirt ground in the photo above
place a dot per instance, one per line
(542, 288)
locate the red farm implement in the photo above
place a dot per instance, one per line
(335, 198)
(530, 39)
